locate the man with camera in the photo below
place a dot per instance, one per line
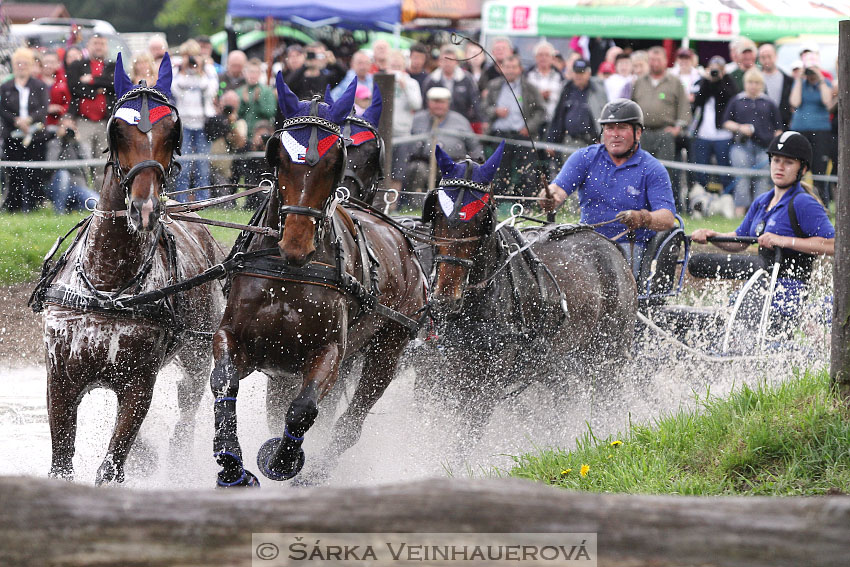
(194, 92)
(257, 101)
(812, 97)
(68, 189)
(320, 69)
(92, 96)
(228, 134)
(711, 96)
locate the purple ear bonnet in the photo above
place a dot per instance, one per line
(131, 110)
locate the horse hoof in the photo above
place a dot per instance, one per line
(233, 474)
(108, 473)
(265, 454)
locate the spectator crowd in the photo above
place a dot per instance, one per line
(56, 104)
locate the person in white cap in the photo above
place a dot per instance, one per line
(440, 118)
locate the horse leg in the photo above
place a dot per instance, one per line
(379, 368)
(224, 382)
(281, 458)
(195, 363)
(134, 401)
(63, 399)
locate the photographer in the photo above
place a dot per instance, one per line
(193, 92)
(258, 102)
(320, 70)
(252, 169)
(812, 96)
(712, 95)
(67, 188)
(228, 134)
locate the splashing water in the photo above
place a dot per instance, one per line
(399, 441)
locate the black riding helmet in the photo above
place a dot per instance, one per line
(625, 111)
(621, 110)
(793, 145)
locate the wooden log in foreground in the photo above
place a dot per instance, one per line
(48, 523)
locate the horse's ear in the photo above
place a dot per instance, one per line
(487, 172)
(163, 81)
(286, 99)
(341, 108)
(329, 99)
(373, 113)
(122, 82)
(444, 161)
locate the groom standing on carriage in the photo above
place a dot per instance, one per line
(622, 189)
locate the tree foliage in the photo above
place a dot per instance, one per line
(124, 15)
(198, 16)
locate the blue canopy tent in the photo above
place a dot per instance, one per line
(364, 14)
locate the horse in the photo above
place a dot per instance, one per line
(328, 284)
(365, 149)
(126, 247)
(514, 307)
(363, 171)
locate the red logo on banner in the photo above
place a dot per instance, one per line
(520, 17)
(724, 23)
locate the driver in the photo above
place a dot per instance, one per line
(617, 181)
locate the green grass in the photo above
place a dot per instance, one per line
(25, 238)
(789, 439)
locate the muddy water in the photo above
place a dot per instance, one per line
(398, 443)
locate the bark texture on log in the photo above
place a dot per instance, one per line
(840, 346)
(52, 523)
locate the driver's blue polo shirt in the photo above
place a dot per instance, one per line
(605, 189)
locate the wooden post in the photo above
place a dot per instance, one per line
(839, 370)
(386, 83)
(270, 44)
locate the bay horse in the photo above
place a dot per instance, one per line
(126, 247)
(330, 284)
(364, 169)
(511, 306)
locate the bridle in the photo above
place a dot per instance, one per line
(365, 193)
(167, 175)
(463, 184)
(315, 123)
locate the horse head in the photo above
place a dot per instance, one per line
(365, 148)
(308, 157)
(462, 211)
(143, 134)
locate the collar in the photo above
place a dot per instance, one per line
(784, 199)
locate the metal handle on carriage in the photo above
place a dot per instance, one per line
(387, 201)
(737, 239)
(765, 310)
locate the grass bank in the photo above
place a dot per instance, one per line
(26, 237)
(789, 439)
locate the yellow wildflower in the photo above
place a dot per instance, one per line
(616, 443)
(584, 469)
(566, 472)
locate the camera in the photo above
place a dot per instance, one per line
(715, 73)
(192, 61)
(264, 139)
(227, 109)
(311, 55)
(809, 72)
(70, 134)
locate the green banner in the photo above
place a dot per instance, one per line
(764, 27)
(605, 21)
